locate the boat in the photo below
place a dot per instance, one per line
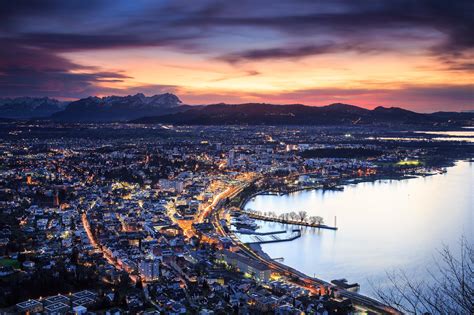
(244, 222)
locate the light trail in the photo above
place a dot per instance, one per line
(96, 245)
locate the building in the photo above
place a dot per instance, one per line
(85, 301)
(83, 298)
(231, 158)
(79, 310)
(30, 306)
(172, 185)
(150, 269)
(56, 299)
(57, 308)
(246, 265)
(84, 294)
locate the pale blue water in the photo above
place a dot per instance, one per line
(383, 226)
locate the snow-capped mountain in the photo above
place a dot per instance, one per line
(29, 107)
(120, 108)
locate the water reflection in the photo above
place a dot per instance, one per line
(383, 225)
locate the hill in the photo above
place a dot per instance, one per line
(297, 114)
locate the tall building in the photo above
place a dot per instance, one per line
(231, 158)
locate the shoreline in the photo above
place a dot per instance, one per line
(338, 187)
(258, 249)
(354, 181)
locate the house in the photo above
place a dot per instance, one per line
(57, 308)
(30, 306)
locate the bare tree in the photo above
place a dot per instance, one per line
(316, 220)
(450, 289)
(302, 215)
(293, 215)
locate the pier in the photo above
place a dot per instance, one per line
(262, 217)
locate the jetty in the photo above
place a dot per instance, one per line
(260, 216)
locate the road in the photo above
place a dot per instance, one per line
(109, 258)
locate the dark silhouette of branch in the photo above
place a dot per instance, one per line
(449, 289)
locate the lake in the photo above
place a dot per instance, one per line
(383, 226)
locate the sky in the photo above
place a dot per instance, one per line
(415, 54)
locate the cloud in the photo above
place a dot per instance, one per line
(295, 52)
(35, 37)
(446, 27)
(39, 72)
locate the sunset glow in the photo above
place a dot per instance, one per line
(411, 54)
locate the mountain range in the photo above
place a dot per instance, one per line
(167, 108)
(119, 108)
(29, 107)
(297, 114)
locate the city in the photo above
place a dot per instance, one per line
(145, 218)
(211, 157)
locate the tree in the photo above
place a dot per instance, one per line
(316, 220)
(448, 291)
(302, 215)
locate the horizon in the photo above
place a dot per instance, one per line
(414, 55)
(246, 103)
